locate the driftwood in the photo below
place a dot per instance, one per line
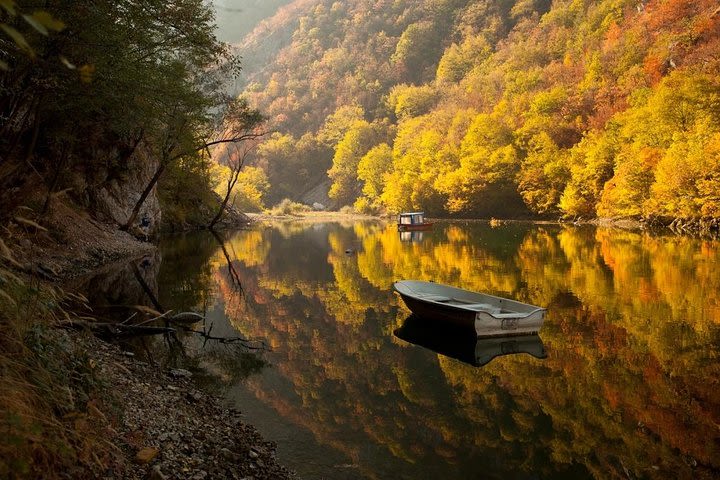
(125, 329)
(186, 317)
(247, 343)
(116, 329)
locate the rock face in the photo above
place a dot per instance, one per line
(113, 191)
(319, 195)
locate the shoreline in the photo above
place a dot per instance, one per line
(128, 418)
(701, 227)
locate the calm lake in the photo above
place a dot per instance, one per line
(622, 381)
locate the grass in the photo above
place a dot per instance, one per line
(288, 207)
(50, 423)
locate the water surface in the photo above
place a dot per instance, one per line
(622, 381)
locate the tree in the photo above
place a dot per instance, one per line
(241, 148)
(543, 175)
(240, 123)
(151, 73)
(252, 186)
(372, 170)
(592, 165)
(356, 142)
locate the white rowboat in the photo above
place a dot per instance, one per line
(490, 316)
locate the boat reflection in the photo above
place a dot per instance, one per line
(412, 236)
(462, 343)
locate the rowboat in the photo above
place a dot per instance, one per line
(456, 343)
(490, 316)
(412, 221)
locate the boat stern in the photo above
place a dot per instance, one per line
(493, 325)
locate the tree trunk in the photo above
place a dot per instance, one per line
(138, 205)
(231, 184)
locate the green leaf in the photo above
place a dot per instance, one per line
(4, 66)
(44, 19)
(19, 39)
(34, 23)
(8, 6)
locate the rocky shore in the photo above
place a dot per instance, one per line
(167, 428)
(128, 418)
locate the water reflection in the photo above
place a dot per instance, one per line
(464, 345)
(626, 388)
(412, 236)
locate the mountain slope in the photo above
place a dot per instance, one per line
(478, 107)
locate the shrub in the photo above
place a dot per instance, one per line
(288, 207)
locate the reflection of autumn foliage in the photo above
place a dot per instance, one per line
(628, 385)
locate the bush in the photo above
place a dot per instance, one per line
(288, 207)
(364, 206)
(347, 210)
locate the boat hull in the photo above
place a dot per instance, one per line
(404, 227)
(441, 313)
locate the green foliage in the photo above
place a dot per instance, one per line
(458, 60)
(362, 205)
(592, 162)
(372, 170)
(409, 101)
(149, 71)
(487, 158)
(186, 194)
(413, 49)
(543, 175)
(251, 187)
(355, 143)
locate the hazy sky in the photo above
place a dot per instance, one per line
(237, 18)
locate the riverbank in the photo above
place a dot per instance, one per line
(311, 216)
(163, 426)
(74, 406)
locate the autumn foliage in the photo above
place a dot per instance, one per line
(567, 108)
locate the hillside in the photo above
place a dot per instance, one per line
(476, 108)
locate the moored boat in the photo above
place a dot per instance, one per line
(488, 315)
(413, 221)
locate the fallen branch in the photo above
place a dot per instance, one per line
(116, 329)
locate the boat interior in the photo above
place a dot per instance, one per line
(486, 307)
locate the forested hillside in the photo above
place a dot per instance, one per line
(570, 108)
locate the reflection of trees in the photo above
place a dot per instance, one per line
(627, 389)
(185, 279)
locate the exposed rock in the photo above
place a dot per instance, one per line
(180, 373)
(156, 474)
(146, 455)
(74, 244)
(113, 192)
(179, 435)
(319, 194)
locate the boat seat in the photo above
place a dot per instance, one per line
(433, 297)
(485, 307)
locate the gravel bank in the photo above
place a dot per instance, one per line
(167, 428)
(155, 422)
